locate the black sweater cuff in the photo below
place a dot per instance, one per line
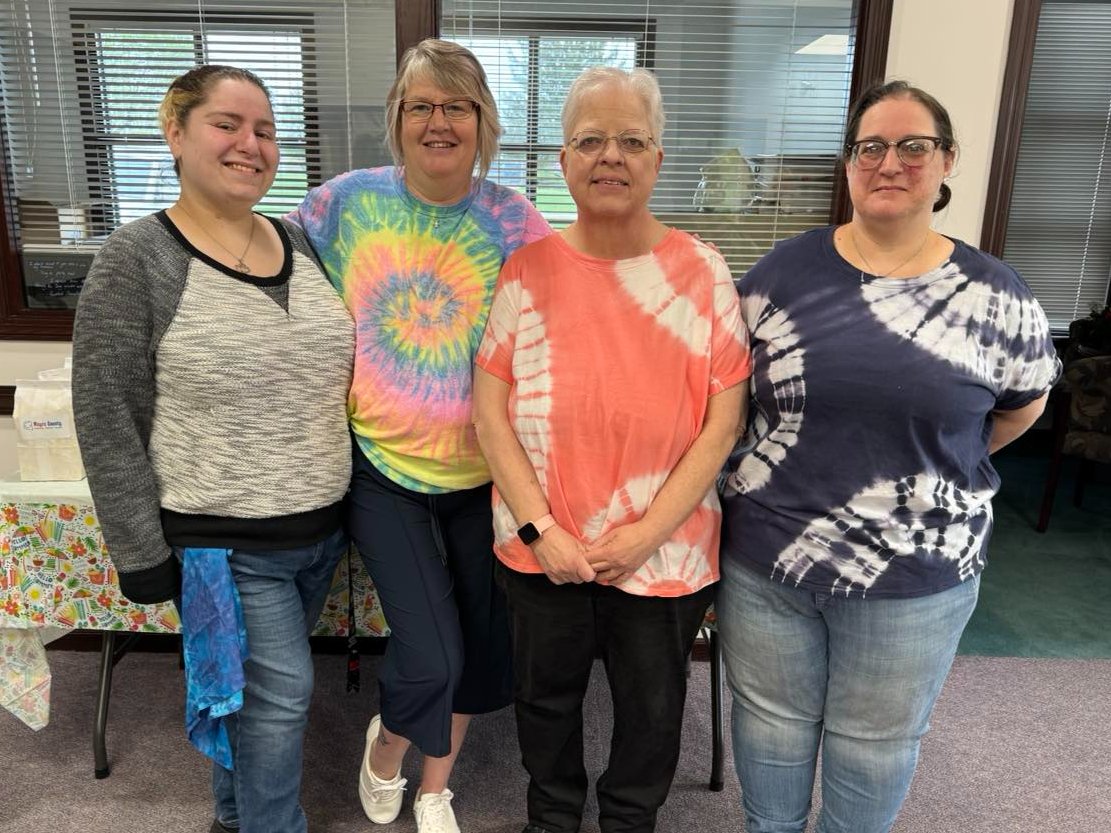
(155, 584)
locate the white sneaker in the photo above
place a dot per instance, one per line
(381, 798)
(434, 813)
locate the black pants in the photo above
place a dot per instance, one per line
(644, 643)
(431, 558)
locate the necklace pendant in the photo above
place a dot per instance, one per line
(243, 267)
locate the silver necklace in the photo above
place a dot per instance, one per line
(860, 254)
(240, 265)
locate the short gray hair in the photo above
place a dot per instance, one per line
(454, 69)
(640, 82)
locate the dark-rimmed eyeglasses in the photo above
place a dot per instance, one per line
(457, 109)
(593, 142)
(913, 151)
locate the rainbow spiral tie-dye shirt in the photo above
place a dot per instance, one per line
(418, 280)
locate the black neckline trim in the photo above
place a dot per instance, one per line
(253, 280)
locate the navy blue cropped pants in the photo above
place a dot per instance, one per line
(431, 558)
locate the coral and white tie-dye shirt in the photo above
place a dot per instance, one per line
(865, 470)
(611, 366)
(418, 280)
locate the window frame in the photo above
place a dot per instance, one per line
(413, 21)
(1008, 129)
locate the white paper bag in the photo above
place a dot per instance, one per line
(46, 440)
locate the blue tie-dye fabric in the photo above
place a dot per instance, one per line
(215, 641)
(865, 468)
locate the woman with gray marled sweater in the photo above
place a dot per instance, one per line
(212, 361)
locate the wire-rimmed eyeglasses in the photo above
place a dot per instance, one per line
(913, 151)
(457, 109)
(593, 142)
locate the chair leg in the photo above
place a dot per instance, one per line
(104, 691)
(717, 669)
(1083, 472)
(1060, 420)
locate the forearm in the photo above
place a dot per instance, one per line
(694, 474)
(1008, 426)
(559, 552)
(510, 466)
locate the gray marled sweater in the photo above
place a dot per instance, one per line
(207, 413)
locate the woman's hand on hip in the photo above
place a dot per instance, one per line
(562, 556)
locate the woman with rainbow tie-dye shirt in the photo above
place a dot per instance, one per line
(415, 251)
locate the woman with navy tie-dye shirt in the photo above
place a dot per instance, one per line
(890, 361)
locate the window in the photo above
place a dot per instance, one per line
(81, 150)
(1049, 213)
(531, 64)
(745, 80)
(123, 68)
(755, 94)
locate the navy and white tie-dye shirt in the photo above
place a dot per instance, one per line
(866, 469)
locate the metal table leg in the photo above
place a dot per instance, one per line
(110, 654)
(100, 752)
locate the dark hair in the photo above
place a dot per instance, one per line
(191, 89)
(901, 89)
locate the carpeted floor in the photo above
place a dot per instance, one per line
(1017, 745)
(1045, 595)
(1018, 741)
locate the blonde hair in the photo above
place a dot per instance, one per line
(454, 69)
(191, 89)
(640, 82)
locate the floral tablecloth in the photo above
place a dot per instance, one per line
(56, 573)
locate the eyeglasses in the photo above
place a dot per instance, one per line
(593, 142)
(457, 109)
(913, 151)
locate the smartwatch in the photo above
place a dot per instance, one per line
(530, 533)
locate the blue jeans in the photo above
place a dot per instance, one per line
(282, 593)
(860, 676)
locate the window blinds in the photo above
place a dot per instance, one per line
(755, 93)
(1059, 228)
(81, 81)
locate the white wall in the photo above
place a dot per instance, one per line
(957, 50)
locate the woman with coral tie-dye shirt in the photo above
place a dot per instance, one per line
(415, 250)
(608, 392)
(612, 364)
